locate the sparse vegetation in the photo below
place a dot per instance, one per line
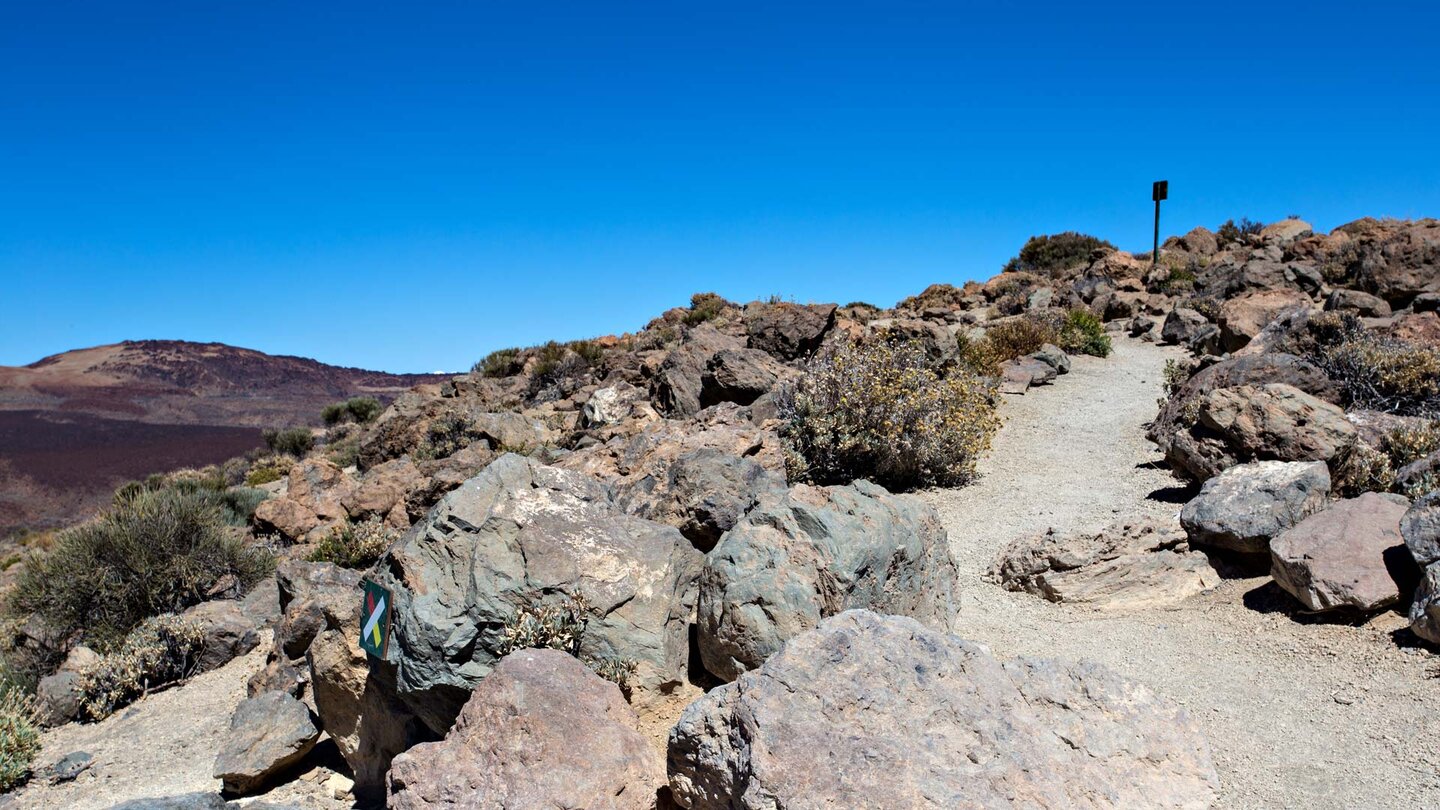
(560, 625)
(268, 469)
(153, 552)
(19, 737)
(291, 441)
(1376, 371)
(1232, 231)
(1082, 332)
(445, 436)
(1053, 254)
(1176, 374)
(355, 545)
(880, 411)
(359, 410)
(164, 650)
(1018, 337)
(500, 363)
(705, 306)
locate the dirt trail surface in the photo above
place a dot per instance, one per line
(1298, 713)
(163, 745)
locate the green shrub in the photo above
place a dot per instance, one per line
(879, 410)
(355, 409)
(155, 552)
(355, 545)
(589, 351)
(499, 363)
(705, 306)
(19, 737)
(1082, 332)
(292, 441)
(1176, 374)
(163, 650)
(1232, 231)
(268, 469)
(1053, 254)
(447, 435)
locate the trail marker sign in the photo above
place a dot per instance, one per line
(375, 619)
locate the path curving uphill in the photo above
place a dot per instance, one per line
(1298, 713)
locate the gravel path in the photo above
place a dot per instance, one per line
(1298, 713)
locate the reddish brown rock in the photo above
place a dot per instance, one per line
(1346, 556)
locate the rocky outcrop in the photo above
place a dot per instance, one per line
(703, 493)
(678, 382)
(540, 731)
(1124, 566)
(1244, 507)
(1346, 556)
(1425, 610)
(788, 331)
(1275, 421)
(1242, 318)
(268, 734)
(802, 555)
(1421, 529)
(881, 711)
(512, 538)
(740, 376)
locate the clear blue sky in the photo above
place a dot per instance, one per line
(407, 186)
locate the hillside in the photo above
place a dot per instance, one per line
(74, 425)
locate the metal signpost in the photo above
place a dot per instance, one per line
(1158, 192)
(375, 628)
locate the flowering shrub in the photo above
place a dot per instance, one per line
(561, 626)
(880, 411)
(19, 736)
(1376, 371)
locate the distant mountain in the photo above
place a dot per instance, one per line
(75, 425)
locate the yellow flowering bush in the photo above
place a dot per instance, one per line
(881, 411)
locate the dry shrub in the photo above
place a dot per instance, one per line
(881, 411)
(355, 545)
(163, 651)
(1018, 337)
(19, 736)
(561, 626)
(1376, 371)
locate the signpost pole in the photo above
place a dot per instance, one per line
(1158, 192)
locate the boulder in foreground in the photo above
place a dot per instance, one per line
(268, 734)
(879, 711)
(541, 731)
(1244, 507)
(1347, 556)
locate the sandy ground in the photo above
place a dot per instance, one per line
(163, 745)
(1299, 713)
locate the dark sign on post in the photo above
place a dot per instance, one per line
(1158, 192)
(375, 619)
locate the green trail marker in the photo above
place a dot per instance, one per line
(375, 630)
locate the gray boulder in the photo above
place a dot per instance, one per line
(703, 493)
(788, 331)
(739, 376)
(1123, 566)
(1186, 327)
(268, 734)
(1425, 610)
(1054, 357)
(1342, 557)
(1275, 422)
(542, 731)
(1019, 375)
(802, 555)
(518, 535)
(677, 384)
(881, 711)
(1244, 507)
(228, 632)
(1421, 529)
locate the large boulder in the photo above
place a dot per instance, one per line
(1242, 318)
(703, 493)
(321, 487)
(1346, 556)
(740, 376)
(1274, 422)
(1244, 507)
(1396, 261)
(541, 731)
(518, 536)
(788, 331)
(678, 382)
(881, 711)
(268, 734)
(226, 630)
(1186, 327)
(1421, 529)
(802, 555)
(1124, 566)
(384, 486)
(285, 517)
(1425, 610)
(1199, 454)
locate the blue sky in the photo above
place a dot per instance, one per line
(403, 187)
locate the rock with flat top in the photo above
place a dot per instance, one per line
(1348, 555)
(1244, 507)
